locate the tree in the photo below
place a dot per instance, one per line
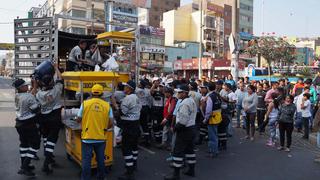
(273, 49)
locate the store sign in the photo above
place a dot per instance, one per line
(137, 3)
(152, 31)
(177, 65)
(122, 41)
(87, 85)
(153, 49)
(124, 19)
(215, 8)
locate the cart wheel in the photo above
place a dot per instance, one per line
(69, 157)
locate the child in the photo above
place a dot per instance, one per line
(286, 118)
(26, 108)
(306, 113)
(272, 115)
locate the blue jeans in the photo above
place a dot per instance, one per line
(213, 138)
(298, 120)
(87, 149)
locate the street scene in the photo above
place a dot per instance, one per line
(159, 89)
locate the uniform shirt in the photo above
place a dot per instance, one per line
(187, 112)
(158, 99)
(306, 112)
(51, 99)
(119, 96)
(196, 96)
(80, 113)
(130, 108)
(75, 54)
(144, 96)
(177, 107)
(26, 103)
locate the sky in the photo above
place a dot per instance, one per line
(284, 17)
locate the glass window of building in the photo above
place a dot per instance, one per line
(78, 30)
(179, 57)
(78, 13)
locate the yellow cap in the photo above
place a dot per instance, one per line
(97, 89)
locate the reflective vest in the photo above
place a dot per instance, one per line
(95, 119)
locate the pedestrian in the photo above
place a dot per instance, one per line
(157, 109)
(286, 115)
(144, 97)
(298, 101)
(184, 129)
(213, 118)
(298, 88)
(249, 105)
(96, 117)
(313, 99)
(27, 108)
(240, 93)
(231, 82)
(306, 113)
(130, 115)
(49, 97)
(261, 107)
(274, 86)
(271, 117)
(196, 96)
(228, 100)
(203, 127)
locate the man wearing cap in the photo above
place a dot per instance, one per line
(157, 108)
(26, 109)
(96, 117)
(49, 97)
(203, 127)
(184, 129)
(130, 115)
(144, 97)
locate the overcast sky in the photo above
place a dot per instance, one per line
(284, 17)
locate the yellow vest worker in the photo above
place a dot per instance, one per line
(95, 115)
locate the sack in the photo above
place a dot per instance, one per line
(215, 117)
(96, 57)
(96, 68)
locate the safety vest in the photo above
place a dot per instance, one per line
(215, 117)
(95, 119)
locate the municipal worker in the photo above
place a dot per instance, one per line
(26, 109)
(49, 97)
(96, 117)
(144, 96)
(185, 134)
(130, 115)
(157, 109)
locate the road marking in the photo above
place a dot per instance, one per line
(147, 150)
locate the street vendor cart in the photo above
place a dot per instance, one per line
(81, 83)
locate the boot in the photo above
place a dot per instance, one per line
(46, 168)
(128, 175)
(25, 167)
(190, 171)
(174, 176)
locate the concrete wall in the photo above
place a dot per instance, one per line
(187, 51)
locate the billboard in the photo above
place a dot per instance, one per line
(152, 49)
(137, 3)
(152, 31)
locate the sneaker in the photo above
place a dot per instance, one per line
(269, 143)
(252, 139)
(247, 137)
(287, 150)
(280, 148)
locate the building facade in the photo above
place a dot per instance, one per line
(245, 16)
(158, 7)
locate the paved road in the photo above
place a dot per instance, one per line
(243, 160)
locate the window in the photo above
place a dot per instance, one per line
(179, 57)
(78, 30)
(166, 58)
(78, 13)
(210, 22)
(99, 15)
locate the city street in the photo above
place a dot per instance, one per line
(243, 159)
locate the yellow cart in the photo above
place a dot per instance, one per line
(82, 82)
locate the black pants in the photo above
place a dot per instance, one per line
(260, 117)
(130, 136)
(199, 120)
(306, 127)
(50, 125)
(285, 129)
(184, 147)
(250, 120)
(145, 123)
(222, 131)
(156, 118)
(29, 139)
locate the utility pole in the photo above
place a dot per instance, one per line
(92, 18)
(235, 55)
(200, 42)
(109, 11)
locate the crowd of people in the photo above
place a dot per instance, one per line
(173, 114)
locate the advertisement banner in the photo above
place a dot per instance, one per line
(152, 49)
(215, 8)
(177, 65)
(152, 31)
(124, 19)
(137, 3)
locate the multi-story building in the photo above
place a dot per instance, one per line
(245, 16)
(158, 7)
